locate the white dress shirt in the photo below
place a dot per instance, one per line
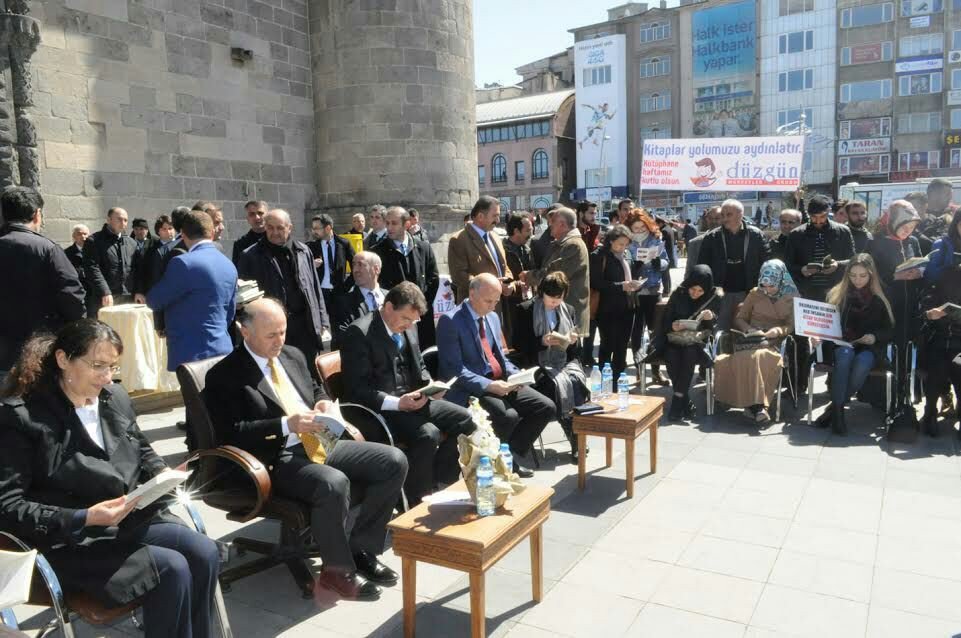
(326, 244)
(292, 437)
(378, 296)
(202, 241)
(89, 416)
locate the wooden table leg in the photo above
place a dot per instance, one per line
(653, 430)
(609, 449)
(477, 611)
(629, 452)
(581, 460)
(537, 564)
(409, 575)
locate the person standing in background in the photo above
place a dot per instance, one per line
(78, 234)
(108, 263)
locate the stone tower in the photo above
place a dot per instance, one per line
(393, 84)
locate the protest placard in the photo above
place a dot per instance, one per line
(818, 320)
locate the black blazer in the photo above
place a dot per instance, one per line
(607, 275)
(243, 407)
(75, 255)
(349, 306)
(249, 239)
(109, 272)
(51, 470)
(529, 345)
(343, 255)
(367, 365)
(395, 269)
(712, 253)
(154, 262)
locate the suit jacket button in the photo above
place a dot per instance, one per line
(270, 468)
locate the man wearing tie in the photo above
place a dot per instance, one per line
(382, 369)
(331, 256)
(407, 259)
(363, 298)
(378, 226)
(471, 347)
(262, 399)
(474, 250)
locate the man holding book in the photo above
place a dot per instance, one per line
(471, 348)
(817, 251)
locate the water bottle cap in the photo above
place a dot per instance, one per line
(485, 459)
(504, 446)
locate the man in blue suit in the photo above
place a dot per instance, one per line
(471, 347)
(197, 296)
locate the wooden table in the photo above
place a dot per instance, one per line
(641, 415)
(454, 536)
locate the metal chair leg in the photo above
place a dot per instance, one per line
(709, 388)
(811, 395)
(8, 619)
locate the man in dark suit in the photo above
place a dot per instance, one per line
(197, 296)
(284, 269)
(383, 369)
(331, 256)
(108, 263)
(517, 251)
(256, 211)
(152, 264)
(41, 290)
(362, 298)
(471, 348)
(78, 234)
(378, 226)
(407, 259)
(262, 399)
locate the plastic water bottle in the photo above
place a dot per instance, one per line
(508, 457)
(607, 381)
(596, 384)
(623, 394)
(485, 487)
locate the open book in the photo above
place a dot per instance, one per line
(524, 377)
(160, 485)
(437, 387)
(952, 311)
(824, 264)
(334, 427)
(688, 324)
(911, 264)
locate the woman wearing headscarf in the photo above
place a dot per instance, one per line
(748, 378)
(696, 299)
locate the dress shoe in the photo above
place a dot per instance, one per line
(522, 471)
(826, 417)
(656, 378)
(373, 570)
(690, 411)
(677, 408)
(350, 585)
(929, 422)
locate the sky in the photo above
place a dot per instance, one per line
(509, 33)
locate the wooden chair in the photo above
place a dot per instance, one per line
(219, 481)
(67, 606)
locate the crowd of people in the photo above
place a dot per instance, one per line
(70, 448)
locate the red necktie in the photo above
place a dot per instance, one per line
(496, 371)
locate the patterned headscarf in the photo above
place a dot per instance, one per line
(775, 273)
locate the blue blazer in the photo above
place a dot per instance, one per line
(197, 296)
(460, 353)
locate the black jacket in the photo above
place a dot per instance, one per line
(713, 254)
(519, 258)
(41, 289)
(420, 267)
(343, 255)
(888, 254)
(153, 264)
(243, 407)
(875, 321)
(108, 260)
(778, 247)
(258, 263)
(75, 255)
(540, 246)
(529, 345)
(862, 239)
(51, 470)
(607, 275)
(249, 239)
(368, 366)
(800, 252)
(348, 308)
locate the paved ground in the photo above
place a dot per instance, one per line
(788, 531)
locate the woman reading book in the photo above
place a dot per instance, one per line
(748, 377)
(867, 323)
(70, 450)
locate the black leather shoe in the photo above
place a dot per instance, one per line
(522, 471)
(826, 417)
(677, 408)
(373, 570)
(929, 423)
(690, 411)
(350, 585)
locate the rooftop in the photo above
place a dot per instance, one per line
(522, 108)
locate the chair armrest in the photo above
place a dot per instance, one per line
(377, 417)
(248, 463)
(50, 580)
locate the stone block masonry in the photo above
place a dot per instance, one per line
(138, 104)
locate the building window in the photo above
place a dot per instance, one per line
(597, 177)
(655, 133)
(919, 160)
(654, 32)
(864, 165)
(655, 66)
(868, 15)
(808, 160)
(956, 158)
(867, 90)
(919, 122)
(499, 169)
(790, 7)
(792, 118)
(795, 80)
(920, 7)
(481, 174)
(597, 75)
(864, 128)
(956, 39)
(919, 84)
(519, 171)
(795, 42)
(956, 78)
(656, 102)
(921, 44)
(540, 163)
(955, 119)
(514, 131)
(867, 53)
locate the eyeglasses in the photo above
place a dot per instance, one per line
(102, 368)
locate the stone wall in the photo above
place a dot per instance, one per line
(139, 104)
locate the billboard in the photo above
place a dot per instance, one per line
(601, 112)
(723, 164)
(864, 146)
(724, 73)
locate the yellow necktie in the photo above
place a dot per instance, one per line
(289, 399)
